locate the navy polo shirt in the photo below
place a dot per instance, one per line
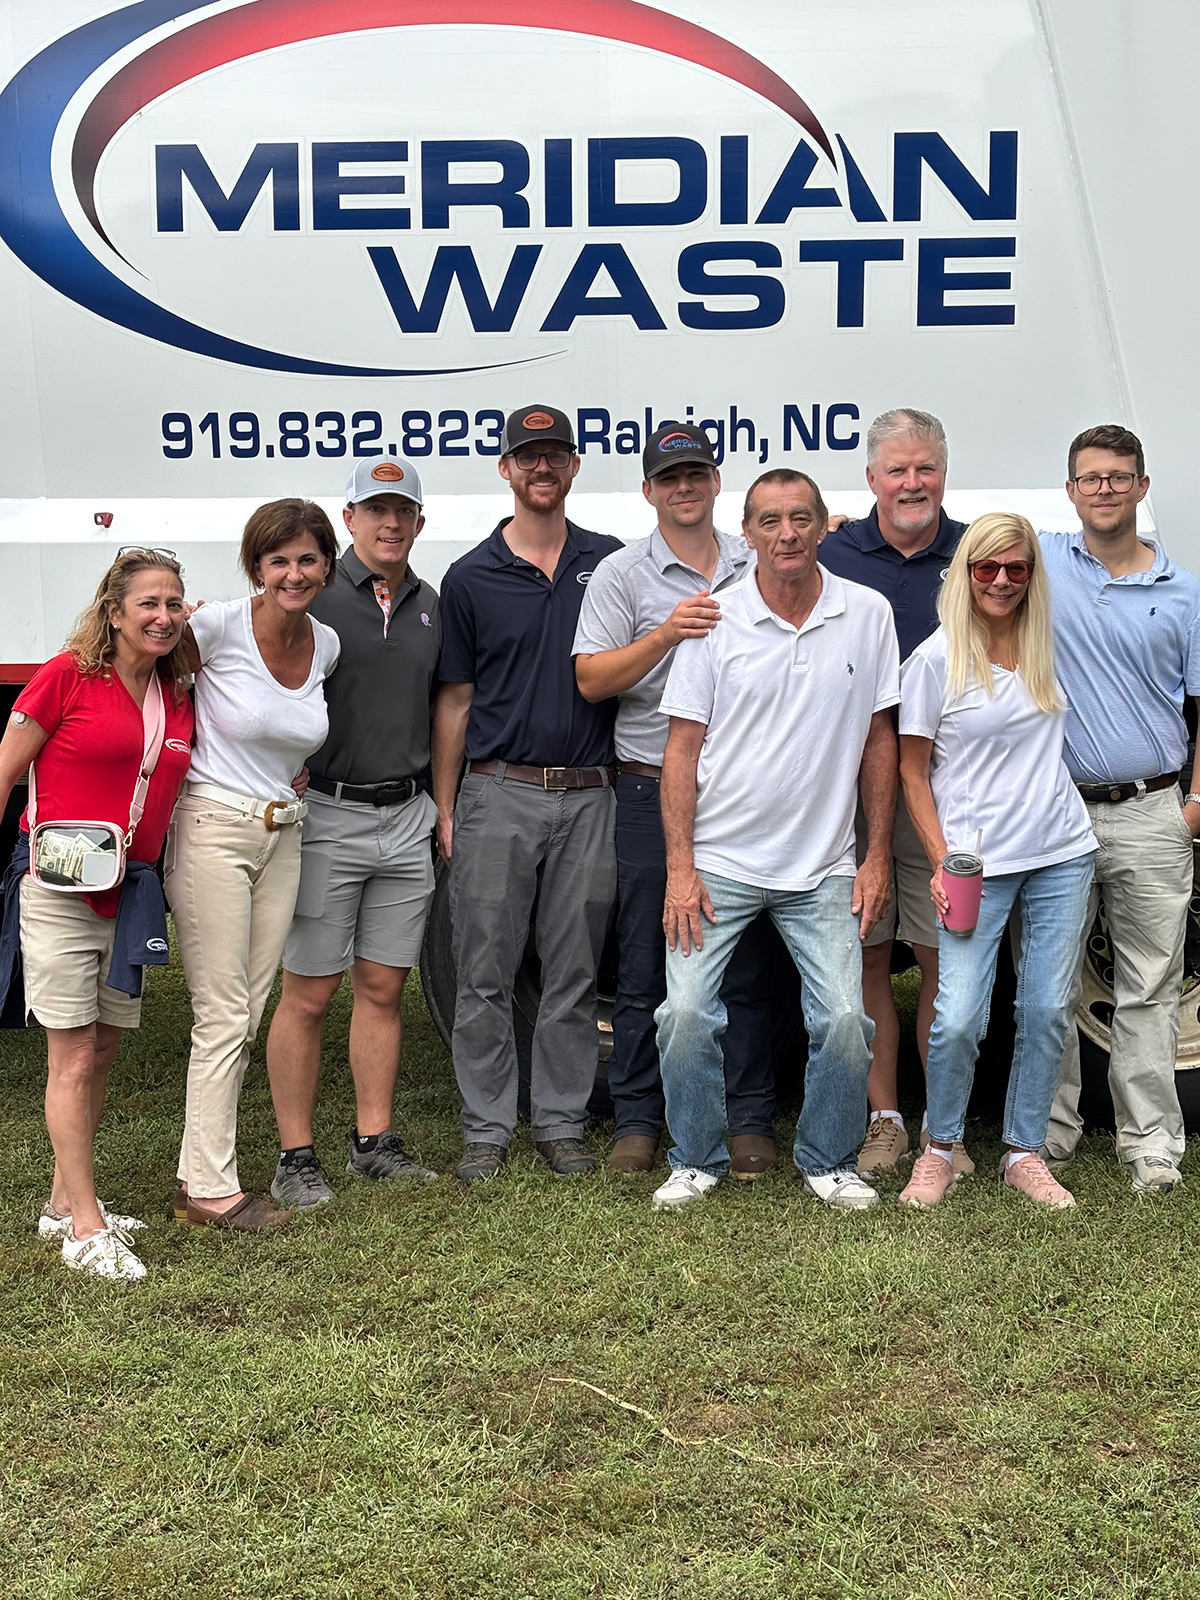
(508, 629)
(910, 584)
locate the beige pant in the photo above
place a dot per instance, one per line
(232, 888)
(1144, 871)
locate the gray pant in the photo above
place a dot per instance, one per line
(513, 841)
(1144, 869)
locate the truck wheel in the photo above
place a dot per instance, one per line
(440, 984)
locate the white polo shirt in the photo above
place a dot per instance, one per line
(787, 712)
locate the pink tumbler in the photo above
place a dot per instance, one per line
(962, 879)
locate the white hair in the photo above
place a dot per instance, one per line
(905, 423)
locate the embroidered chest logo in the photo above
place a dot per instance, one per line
(425, 619)
(850, 668)
(582, 577)
(178, 744)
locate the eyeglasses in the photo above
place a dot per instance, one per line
(1118, 482)
(146, 550)
(556, 458)
(988, 571)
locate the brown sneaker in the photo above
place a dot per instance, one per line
(750, 1155)
(633, 1152)
(252, 1214)
(932, 1179)
(1033, 1177)
(885, 1146)
(963, 1164)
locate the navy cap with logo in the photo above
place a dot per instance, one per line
(536, 425)
(677, 442)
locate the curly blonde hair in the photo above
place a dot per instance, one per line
(93, 640)
(966, 630)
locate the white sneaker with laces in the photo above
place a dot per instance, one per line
(685, 1185)
(56, 1225)
(842, 1191)
(104, 1255)
(1154, 1175)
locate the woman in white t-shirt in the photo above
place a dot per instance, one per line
(981, 737)
(233, 852)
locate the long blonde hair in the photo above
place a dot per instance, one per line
(966, 630)
(93, 640)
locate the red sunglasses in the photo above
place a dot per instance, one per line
(988, 571)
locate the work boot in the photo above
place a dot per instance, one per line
(750, 1155)
(566, 1158)
(633, 1152)
(480, 1162)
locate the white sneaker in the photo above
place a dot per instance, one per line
(683, 1186)
(56, 1225)
(842, 1191)
(1154, 1175)
(104, 1255)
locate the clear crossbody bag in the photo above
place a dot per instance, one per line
(89, 857)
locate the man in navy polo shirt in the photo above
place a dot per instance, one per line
(901, 549)
(534, 815)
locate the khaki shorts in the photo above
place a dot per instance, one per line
(65, 951)
(917, 920)
(366, 880)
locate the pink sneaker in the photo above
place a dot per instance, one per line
(1033, 1177)
(932, 1176)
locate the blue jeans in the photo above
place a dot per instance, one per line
(633, 1075)
(822, 938)
(1053, 904)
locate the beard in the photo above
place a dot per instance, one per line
(538, 499)
(914, 517)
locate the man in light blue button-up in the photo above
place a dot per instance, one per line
(1127, 638)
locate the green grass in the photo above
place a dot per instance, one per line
(984, 1401)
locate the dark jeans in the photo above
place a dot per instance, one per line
(633, 1073)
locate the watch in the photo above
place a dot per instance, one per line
(1191, 799)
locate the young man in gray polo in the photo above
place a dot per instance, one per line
(533, 819)
(638, 606)
(366, 875)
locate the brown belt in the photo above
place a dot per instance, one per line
(640, 769)
(550, 777)
(1126, 791)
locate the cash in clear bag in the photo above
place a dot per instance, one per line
(89, 857)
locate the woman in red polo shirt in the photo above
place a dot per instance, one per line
(80, 722)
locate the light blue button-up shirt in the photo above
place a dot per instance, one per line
(1128, 650)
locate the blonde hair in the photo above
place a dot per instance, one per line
(93, 640)
(966, 630)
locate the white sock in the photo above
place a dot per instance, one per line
(1014, 1156)
(946, 1155)
(924, 1122)
(892, 1116)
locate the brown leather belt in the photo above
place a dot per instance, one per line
(1126, 791)
(550, 777)
(640, 769)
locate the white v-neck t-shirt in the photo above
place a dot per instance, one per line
(787, 712)
(997, 765)
(252, 734)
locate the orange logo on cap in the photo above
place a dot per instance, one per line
(387, 472)
(537, 419)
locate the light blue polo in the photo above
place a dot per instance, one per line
(1128, 650)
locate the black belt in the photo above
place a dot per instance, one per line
(1126, 791)
(375, 794)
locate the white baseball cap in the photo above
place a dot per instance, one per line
(391, 475)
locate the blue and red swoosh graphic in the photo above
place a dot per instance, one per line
(32, 221)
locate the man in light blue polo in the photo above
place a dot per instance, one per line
(1127, 638)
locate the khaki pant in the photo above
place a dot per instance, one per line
(232, 888)
(1144, 870)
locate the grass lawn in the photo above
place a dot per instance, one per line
(391, 1398)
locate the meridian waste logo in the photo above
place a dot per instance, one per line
(550, 234)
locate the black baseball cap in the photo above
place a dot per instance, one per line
(536, 425)
(677, 442)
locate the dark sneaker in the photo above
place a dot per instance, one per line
(388, 1162)
(566, 1158)
(480, 1162)
(301, 1183)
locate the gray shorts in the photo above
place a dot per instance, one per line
(366, 880)
(909, 914)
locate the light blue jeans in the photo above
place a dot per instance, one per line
(821, 934)
(1053, 903)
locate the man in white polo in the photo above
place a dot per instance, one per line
(779, 719)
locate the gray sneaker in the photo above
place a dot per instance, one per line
(388, 1162)
(301, 1184)
(1154, 1175)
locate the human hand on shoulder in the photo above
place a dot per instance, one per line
(837, 519)
(692, 618)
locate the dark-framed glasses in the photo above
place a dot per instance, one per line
(556, 457)
(989, 571)
(1093, 482)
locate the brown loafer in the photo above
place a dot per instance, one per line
(750, 1155)
(179, 1203)
(252, 1214)
(633, 1152)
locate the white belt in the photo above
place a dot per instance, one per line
(276, 814)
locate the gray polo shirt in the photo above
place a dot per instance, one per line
(379, 693)
(630, 593)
